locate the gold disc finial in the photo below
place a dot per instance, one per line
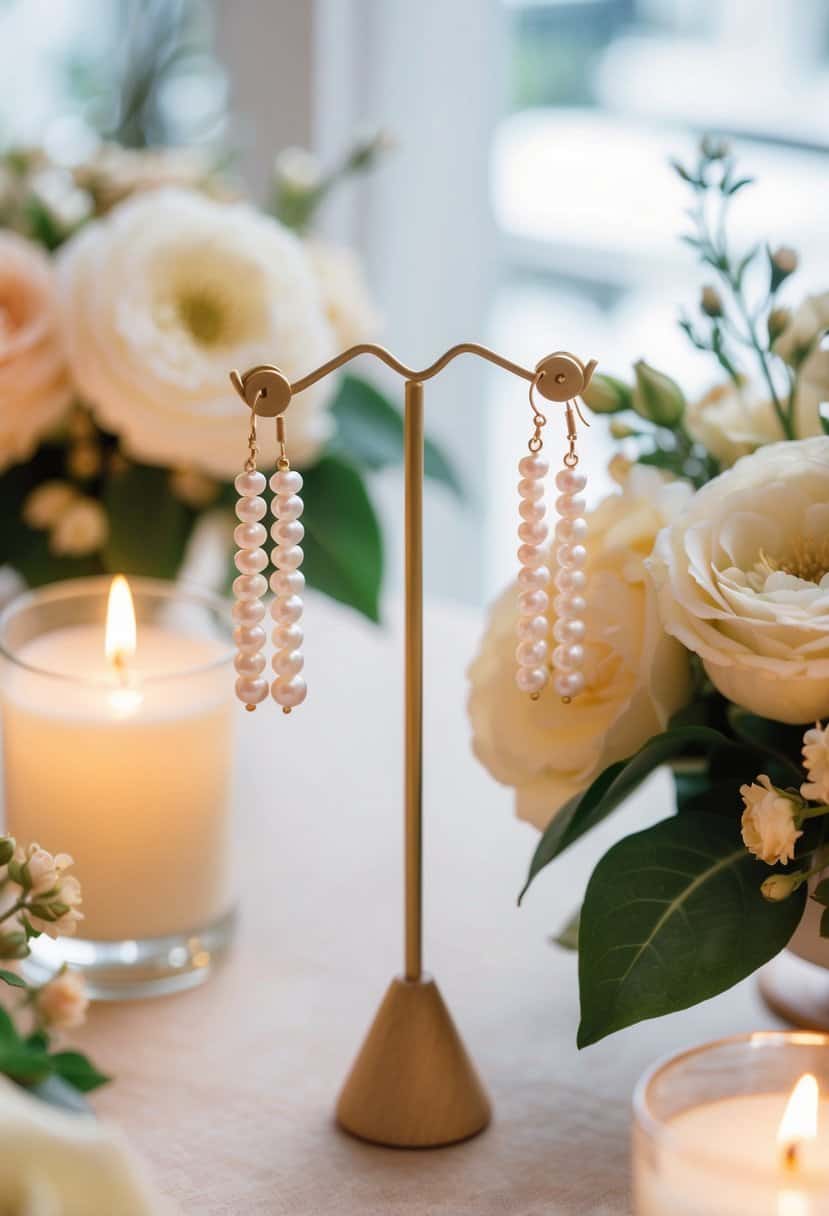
(264, 388)
(561, 376)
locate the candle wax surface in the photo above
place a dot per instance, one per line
(133, 782)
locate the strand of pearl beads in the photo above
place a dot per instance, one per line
(287, 583)
(533, 578)
(571, 580)
(248, 588)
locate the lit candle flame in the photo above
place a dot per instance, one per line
(799, 1122)
(119, 639)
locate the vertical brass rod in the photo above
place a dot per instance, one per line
(413, 460)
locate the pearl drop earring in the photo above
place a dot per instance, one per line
(571, 580)
(533, 577)
(250, 585)
(287, 581)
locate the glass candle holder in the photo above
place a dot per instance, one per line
(727, 1130)
(121, 756)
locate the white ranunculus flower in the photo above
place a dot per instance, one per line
(637, 676)
(345, 294)
(768, 823)
(162, 298)
(743, 580)
(35, 388)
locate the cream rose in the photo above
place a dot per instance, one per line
(35, 388)
(637, 676)
(816, 764)
(803, 333)
(768, 825)
(345, 295)
(743, 580)
(63, 1002)
(731, 422)
(162, 298)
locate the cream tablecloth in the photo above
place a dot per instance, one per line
(228, 1090)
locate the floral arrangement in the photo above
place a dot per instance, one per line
(707, 647)
(130, 284)
(37, 895)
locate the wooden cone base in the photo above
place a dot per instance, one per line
(413, 1085)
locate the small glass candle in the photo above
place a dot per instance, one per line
(739, 1127)
(117, 739)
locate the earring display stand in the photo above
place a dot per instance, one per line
(413, 1084)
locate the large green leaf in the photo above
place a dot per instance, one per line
(343, 545)
(611, 787)
(78, 1071)
(149, 526)
(370, 432)
(781, 742)
(672, 916)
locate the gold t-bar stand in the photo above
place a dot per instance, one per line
(413, 1084)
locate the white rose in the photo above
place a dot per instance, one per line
(35, 388)
(768, 824)
(345, 295)
(804, 330)
(730, 422)
(816, 763)
(637, 676)
(81, 529)
(742, 580)
(63, 1002)
(162, 298)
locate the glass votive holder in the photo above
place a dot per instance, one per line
(124, 761)
(732, 1128)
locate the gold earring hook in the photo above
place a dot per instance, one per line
(539, 420)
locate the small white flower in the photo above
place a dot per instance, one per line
(41, 867)
(63, 1002)
(47, 503)
(82, 529)
(816, 763)
(768, 825)
(298, 169)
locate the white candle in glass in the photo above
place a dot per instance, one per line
(117, 749)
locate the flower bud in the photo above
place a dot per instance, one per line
(711, 301)
(778, 320)
(7, 847)
(713, 148)
(778, 887)
(619, 468)
(13, 946)
(622, 430)
(782, 263)
(607, 395)
(656, 396)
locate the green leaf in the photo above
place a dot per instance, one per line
(568, 935)
(8, 1030)
(24, 1062)
(775, 739)
(672, 916)
(14, 981)
(149, 526)
(343, 545)
(78, 1071)
(370, 433)
(611, 788)
(821, 893)
(823, 414)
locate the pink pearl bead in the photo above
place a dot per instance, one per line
(250, 536)
(570, 482)
(251, 689)
(249, 510)
(570, 507)
(249, 637)
(250, 483)
(249, 663)
(570, 579)
(533, 467)
(569, 683)
(286, 609)
(533, 578)
(531, 679)
(533, 533)
(289, 693)
(287, 636)
(531, 555)
(248, 612)
(533, 603)
(533, 512)
(287, 663)
(286, 481)
(532, 627)
(287, 582)
(569, 630)
(530, 490)
(287, 532)
(288, 506)
(250, 561)
(571, 555)
(288, 558)
(249, 586)
(571, 531)
(568, 657)
(570, 605)
(530, 654)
